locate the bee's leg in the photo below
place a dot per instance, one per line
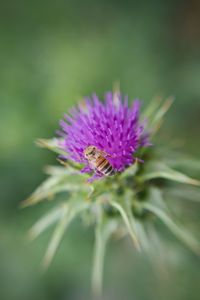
(139, 160)
(96, 176)
(86, 169)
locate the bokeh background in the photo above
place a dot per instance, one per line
(51, 54)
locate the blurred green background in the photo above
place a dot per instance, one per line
(51, 54)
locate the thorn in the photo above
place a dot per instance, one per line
(62, 162)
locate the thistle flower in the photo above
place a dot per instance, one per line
(112, 127)
(121, 203)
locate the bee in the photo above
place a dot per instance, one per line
(98, 162)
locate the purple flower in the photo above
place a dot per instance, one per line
(111, 126)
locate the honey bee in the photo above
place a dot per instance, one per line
(98, 162)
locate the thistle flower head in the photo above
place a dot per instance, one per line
(126, 203)
(111, 126)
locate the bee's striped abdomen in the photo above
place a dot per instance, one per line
(104, 166)
(110, 171)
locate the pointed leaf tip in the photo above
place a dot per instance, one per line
(127, 222)
(160, 170)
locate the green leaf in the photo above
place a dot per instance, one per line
(54, 145)
(185, 162)
(151, 108)
(56, 184)
(57, 236)
(138, 227)
(141, 233)
(62, 171)
(159, 170)
(46, 189)
(103, 231)
(157, 206)
(159, 115)
(175, 158)
(69, 212)
(163, 109)
(187, 193)
(127, 222)
(51, 144)
(135, 224)
(45, 222)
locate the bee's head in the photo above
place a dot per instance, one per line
(89, 152)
